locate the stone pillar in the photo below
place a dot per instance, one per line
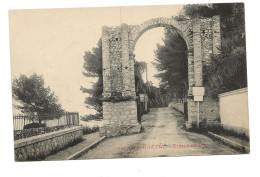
(190, 72)
(106, 62)
(216, 34)
(125, 60)
(119, 105)
(197, 53)
(197, 73)
(192, 113)
(132, 74)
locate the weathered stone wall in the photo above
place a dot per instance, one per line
(209, 112)
(118, 75)
(192, 113)
(206, 40)
(127, 64)
(115, 56)
(106, 62)
(211, 45)
(120, 118)
(197, 45)
(40, 146)
(216, 34)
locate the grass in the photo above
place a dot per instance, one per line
(217, 129)
(228, 132)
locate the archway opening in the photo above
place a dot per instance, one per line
(161, 69)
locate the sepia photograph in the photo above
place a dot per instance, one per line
(129, 82)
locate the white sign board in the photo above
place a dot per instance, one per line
(142, 97)
(198, 98)
(145, 98)
(198, 91)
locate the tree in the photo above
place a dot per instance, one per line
(226, 71)
(93, 68)
(34, 97)
(171, 62)
(139, 68)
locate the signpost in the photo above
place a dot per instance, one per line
(198, 93)
(142, 97)
(144, 101)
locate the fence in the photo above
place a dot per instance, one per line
(28, 125)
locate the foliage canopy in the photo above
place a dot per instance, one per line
(226, 71)
(33, 96)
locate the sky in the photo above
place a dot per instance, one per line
(52, 42)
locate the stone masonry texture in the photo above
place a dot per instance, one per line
(202, 37)
(120, 118)
(36, 147)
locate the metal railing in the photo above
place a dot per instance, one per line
(180, 101)
(27, 125)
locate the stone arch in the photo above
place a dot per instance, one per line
(184, 29)
(202, 37)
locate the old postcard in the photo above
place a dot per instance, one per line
(126, 82)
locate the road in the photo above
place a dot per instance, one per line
(162, 137)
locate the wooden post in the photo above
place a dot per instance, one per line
(23, 122)
(198, 117)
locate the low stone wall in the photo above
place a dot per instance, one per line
(234, 111)
(36, 147)
(209, 112)
(178, 106)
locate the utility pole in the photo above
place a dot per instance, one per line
(146, 73)
(147, 89)
(147, 82)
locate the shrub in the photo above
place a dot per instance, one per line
(91, 117)
(220, 130)
(88, 130)
(34, 125)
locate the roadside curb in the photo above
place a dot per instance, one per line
(86, 149)
(176, 110)
(230, 142)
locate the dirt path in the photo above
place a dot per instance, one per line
(162, 137)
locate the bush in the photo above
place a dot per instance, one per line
(220, 130)
(88, 130)
(34, 125)
(91, 117)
